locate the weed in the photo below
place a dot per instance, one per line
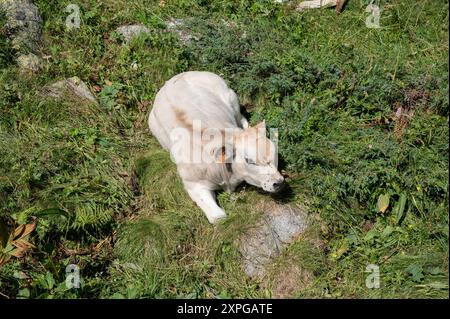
(363, 134)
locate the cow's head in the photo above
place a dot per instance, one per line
(254, 158)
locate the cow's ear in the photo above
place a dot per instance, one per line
(224, 154)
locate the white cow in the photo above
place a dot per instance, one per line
(196, 117)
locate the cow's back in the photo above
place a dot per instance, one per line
(192, 96)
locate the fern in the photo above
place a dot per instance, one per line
(91, 214)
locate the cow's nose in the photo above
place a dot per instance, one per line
(278, 183)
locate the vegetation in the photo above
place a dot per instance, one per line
(362, 115)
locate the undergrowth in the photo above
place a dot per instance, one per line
(362, 116)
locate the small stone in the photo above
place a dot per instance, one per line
(315, 4)
(134, 65)
(174, 23)
(29, 62)
(178, 26)
(131, 31)
(72, 85)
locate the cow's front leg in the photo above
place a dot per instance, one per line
(206, 200)
(244, 122)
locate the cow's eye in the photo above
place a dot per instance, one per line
(250, 161)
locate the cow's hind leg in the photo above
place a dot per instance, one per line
(205, 199)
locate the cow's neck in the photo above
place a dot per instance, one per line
(229, 181)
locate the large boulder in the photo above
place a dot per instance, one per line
(23, 24)
(280, 225)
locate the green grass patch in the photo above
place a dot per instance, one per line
(362, 114)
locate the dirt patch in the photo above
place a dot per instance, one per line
(291, 279)
(404, 111)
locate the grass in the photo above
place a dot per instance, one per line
(109, 200)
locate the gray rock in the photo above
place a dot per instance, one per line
(72, 86)
(315, 4)
(178, 27)
(278, 228)
(23, 24)
(131, 31)
(29, 62)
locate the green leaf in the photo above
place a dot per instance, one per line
(49, 279)
(370, 235)
(416, 271)
(132, 292)
(20, 275)
(341, 250)
(23, 293)
(62, 287)
(52, 212)
(399, 208)
(387, 231)
(55, 215)
(434, 270)
(224, 295)
(117, 295)
(383, 203)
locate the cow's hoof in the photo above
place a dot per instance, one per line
(216, 218)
